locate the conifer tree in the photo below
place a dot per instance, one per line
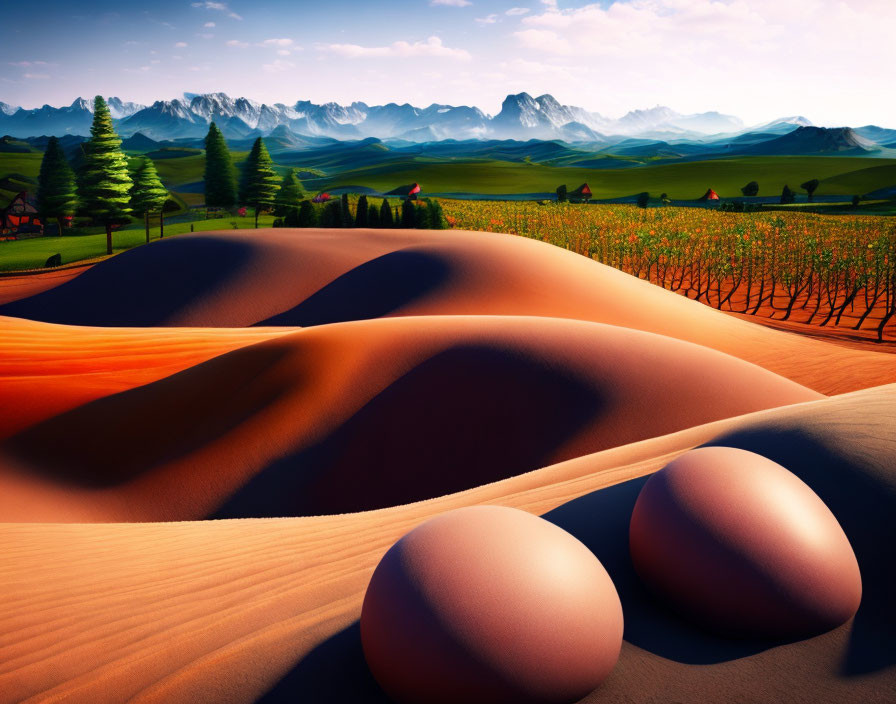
(290, 193)
(437, 219)
(361, 214)
(331, 215)
(57, 191)
(148, 194)
(386, 219)
(260, 183)
(220, 173)
(346, 213)
(373, 216)
(307, 214)
(421, 216)
(105, 183)
(787, 195)
(408, 218)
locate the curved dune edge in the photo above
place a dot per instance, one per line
(309, 277)
(48, 369)
(366, 414)
(223, 611)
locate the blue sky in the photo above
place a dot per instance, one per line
(829, 60)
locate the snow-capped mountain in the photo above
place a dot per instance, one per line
(120, 109)
(521, 117)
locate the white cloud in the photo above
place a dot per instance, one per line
(278, 66)
(209, 24)
(489, 19)
(237, 43)
(36, 76)
(180, 45)
(451, 3)
(759, 57)
(25, 64)
(219, 6)
(515, 11)
(283, 52)
(277, 42)
(431, 47)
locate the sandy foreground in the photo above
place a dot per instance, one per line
(178, 405)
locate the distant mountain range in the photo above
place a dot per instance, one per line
(521, 117)
(657, 132)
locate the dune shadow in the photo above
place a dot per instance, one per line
(370, 290)
(601, 521)
(117, 438)
(334, 672)
(467, 416)
(859, 486)
(145, 286)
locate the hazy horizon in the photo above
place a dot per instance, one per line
(757, 60)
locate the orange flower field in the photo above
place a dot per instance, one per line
(824, 270)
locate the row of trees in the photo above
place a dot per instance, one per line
(258, 187)
(101, 186)
(420, 214)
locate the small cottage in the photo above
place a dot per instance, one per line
(20, 216)
(581, 194)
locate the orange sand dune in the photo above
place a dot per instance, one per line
(367, 414)
(311, 277)
(48, 369)
(266, 610)
(16, 286)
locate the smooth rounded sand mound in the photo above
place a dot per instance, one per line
(311, 277)
(490, 604)
(363, 415)
(743, 545)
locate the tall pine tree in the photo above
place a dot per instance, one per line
(386, 219)
(220, 173)
(105, 183)
(57, 191)
(346, 213)
(408, 216)
(148, 194)
(290, 194)
(361, 213)
(260, 183)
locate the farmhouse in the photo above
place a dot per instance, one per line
(410, 191)
(20, 215)
(581, 194)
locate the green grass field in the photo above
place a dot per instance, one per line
(33, 253)
(680, 180)
(683, 180)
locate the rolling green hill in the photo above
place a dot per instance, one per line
(861, 181)
(681, 180)
(383, 170)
